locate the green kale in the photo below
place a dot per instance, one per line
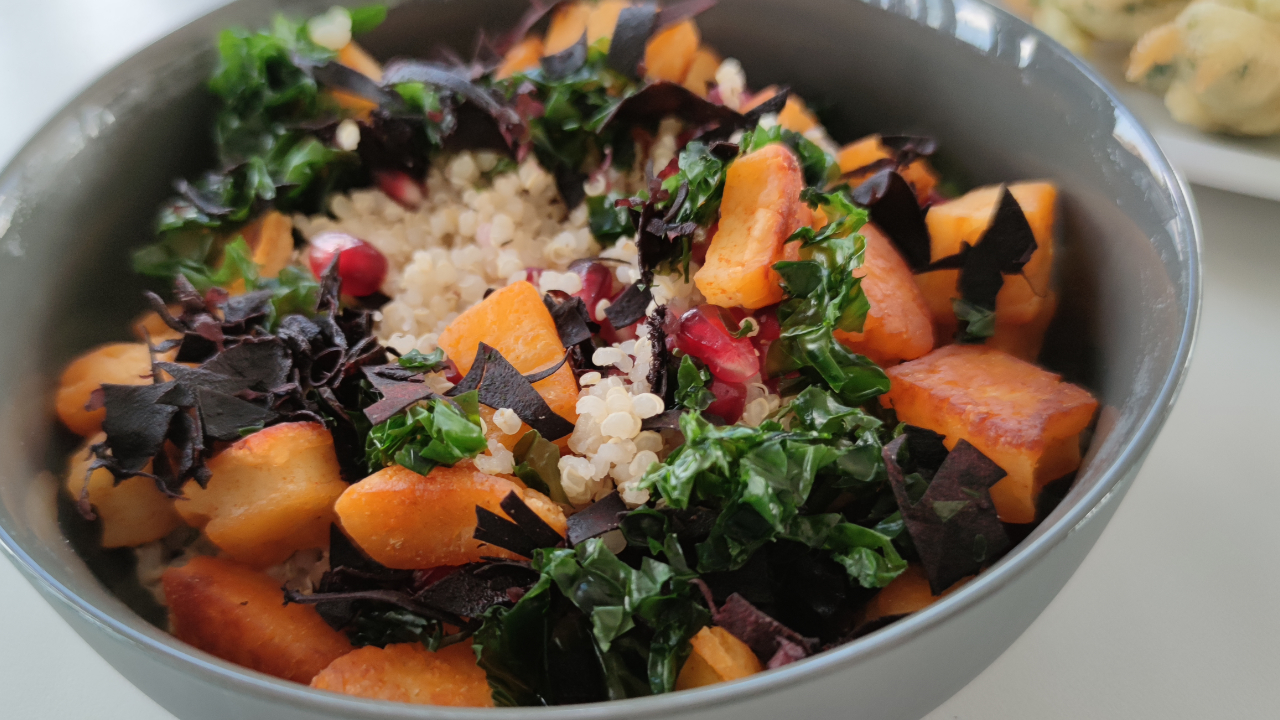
(760, 480)
(824, 296)
(693, 379)
(538, 465)
(607, 221)
(820, 169)
(635, 624)
(440, 432)
(416, 361)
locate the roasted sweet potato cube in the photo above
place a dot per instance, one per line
(132, 513)
(409, 521)
(717, 656)
(1021, 416)
(757, 215)
(1024, 340)
(964, 220)
(514, 322)
(862, 153)
(898, 325)
(670, 52)
(795, 115)
(148, 325)
(603, 19)
(410, 673)
(271, 237)
(355, 57)
(568, 23)
(238, 614)
(112, 364)
(702, 71)
(523, 56)
(907, 593)
(271, 494)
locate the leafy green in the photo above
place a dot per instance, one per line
(824, 296)
(266, 94)
(416, 361)
(704, 173)
(977, 323)
(365, 19)
(761, 478)
(440, 432)
(382, 627)
(639, 622)
(607, 221)
(820, 169)
(691, 390)
(538, 465)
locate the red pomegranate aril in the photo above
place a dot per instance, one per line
(597, 285)
(360, 266)
(399, 186)
(703, 335)
(731, 398)
(533, 275)
(770, 330)
(451, 372)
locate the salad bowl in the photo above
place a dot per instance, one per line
(1002, 100)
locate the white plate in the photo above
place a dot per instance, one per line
(1250, 166)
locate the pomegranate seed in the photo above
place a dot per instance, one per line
(703, 335)
(360, 266)
(402, 188)
(451, 372)
(731, 398)
(597, 285)
(533, 275)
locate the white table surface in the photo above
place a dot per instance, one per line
(1173, 615)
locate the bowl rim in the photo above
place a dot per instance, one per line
(1065, 520)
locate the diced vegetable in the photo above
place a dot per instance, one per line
(132, 513)
(702, 71)
(524, 56)
(360, 266)
(271, 238)
(1021, 416)
(757, 215)
(907, 593)
(410, 521)
(703, 335)
(603, 19)
(567, 26)
(236, 613)
(271, 494)
(149, 325)
(898, 326)
(514, 321)
(795, 115)
(869, 149)
(113, 364)
(409, 673)
(669, 54)
(1024, 340)
(964, 220)
(717, 657)
(356, 58)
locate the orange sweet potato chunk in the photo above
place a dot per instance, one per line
(238, 614)
(409, 673)
(409, 521)
(1024, 340)
(669, 54)
(861, 153)
(132, 513)
(603, 19)
(907, 593)
(795, 115)
(111, 364)
(717, 657)
(271, 494)
(525, 55)
(567, 26)
(702, 71)
(355, 57)
(271, 237)
(964, 220)
(1021, 416)
(758, 213)
(514, 321)
(898, 325)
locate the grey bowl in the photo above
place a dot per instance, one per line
(1005, 102)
